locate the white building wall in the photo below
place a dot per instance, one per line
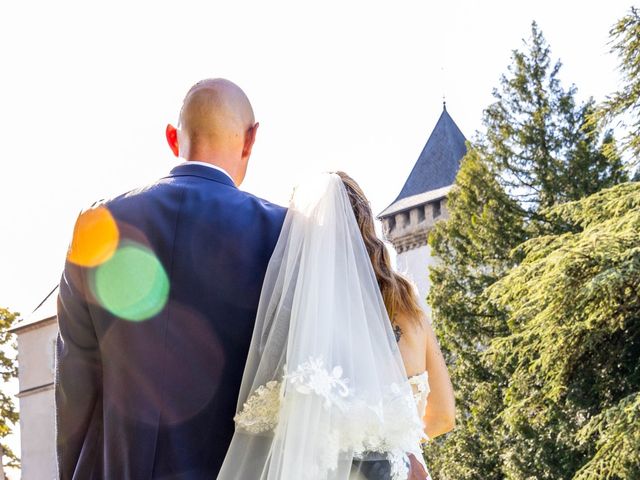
(36, 353)
(415, 265)
(37, 427)
(36, 346)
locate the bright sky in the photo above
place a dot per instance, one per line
(87, 90)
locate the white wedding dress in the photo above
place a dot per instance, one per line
(420, 386)
(324, 385)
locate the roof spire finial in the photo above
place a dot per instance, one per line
(444, 90)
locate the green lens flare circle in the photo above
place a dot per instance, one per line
(132, 284)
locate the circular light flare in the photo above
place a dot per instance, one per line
(132, 284)
(95, 238)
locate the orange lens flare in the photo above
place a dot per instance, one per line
(95, 238)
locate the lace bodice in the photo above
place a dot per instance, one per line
(420, 385)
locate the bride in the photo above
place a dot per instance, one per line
(342, 358)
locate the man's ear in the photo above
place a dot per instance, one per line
(249, 140)
(172, 139)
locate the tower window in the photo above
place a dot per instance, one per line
(436, 209)
(402, 219)
(391, 224)
(421, 214)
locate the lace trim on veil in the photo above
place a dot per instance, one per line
(389, 427)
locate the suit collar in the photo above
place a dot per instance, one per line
(202, 171)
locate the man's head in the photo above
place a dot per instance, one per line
(216, 126)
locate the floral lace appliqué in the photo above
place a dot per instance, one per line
(312, 377)
(260, 412)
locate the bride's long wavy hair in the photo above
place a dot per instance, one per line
(397, 292)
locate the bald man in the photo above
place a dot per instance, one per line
(157, 303)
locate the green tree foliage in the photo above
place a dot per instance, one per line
(537, 137)
(624, 105)
(539, 155)
(572, 354)
(593, 162)
(474, 245)
(8, 371)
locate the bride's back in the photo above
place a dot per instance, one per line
(412, 341)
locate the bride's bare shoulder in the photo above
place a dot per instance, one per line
(411, 325)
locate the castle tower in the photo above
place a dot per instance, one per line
(423, 201)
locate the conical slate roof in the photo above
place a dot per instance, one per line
(436, 167)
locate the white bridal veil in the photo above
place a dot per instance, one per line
(324, 384)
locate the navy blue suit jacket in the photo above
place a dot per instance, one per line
(152, 395)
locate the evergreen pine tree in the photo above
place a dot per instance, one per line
(537, 151)
(572, 355)
(473, 246)
(543, 149)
